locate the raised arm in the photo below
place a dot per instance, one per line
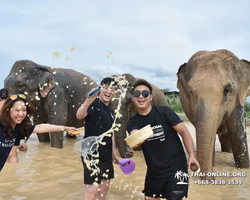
(82, 111)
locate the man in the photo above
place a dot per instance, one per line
(99, 119)
(163, 152)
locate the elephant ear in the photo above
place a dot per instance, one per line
(182, 83)
(46, 82)
(244, 82)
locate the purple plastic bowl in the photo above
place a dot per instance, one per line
(127, 166)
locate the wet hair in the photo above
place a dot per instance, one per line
(108, 81)
(142, 82)
(6, 120)
(4, 94)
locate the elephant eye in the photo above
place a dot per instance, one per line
(227, 89)
(20, 86)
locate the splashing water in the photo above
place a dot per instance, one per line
(89, 146)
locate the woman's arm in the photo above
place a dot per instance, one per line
(44, 128)
(13, 154)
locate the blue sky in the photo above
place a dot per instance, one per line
(149, 39)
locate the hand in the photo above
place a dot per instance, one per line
(191, 160)
(67, 128)
(23, 147)
(115, 160)
(93, 92)
(139, 144)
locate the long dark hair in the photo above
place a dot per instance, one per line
(6, 120)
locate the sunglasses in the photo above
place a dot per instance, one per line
(14, 96)
(144, 93)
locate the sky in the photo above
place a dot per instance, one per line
(148, 39)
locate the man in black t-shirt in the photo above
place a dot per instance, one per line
(99, 119)
(167, 167)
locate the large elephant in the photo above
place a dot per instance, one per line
(128, 110)
(213, 89)
(56, 93)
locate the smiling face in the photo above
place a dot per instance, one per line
(143, 102)
(18, 112)
(107, 93)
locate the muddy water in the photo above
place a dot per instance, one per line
(56, 174)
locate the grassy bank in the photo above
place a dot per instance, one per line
(175, 104)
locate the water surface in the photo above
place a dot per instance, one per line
(56, 174)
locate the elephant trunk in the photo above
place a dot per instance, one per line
(206, 127)
(121, 135)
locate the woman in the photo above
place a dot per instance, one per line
(15, 124)
(4, 94)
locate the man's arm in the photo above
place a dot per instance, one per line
(188, 142)
(82, 111)
(114, 156)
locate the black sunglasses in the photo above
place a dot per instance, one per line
(144, 93)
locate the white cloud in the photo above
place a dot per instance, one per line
(149, 39)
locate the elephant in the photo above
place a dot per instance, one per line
(213, 89)
(55, 92)
(128, 110)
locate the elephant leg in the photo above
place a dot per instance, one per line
(57, 115)
(122, 146)
(57, 139)
(224, 140)
(41, 137)
(213, 155)
(238, 139)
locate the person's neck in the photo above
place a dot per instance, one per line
(106, 103)
(13, 126)
(145, 111)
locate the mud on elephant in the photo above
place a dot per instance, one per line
(128, 110)
(213, 88)
(56, 93)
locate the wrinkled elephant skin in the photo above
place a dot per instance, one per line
(56, 93)
(213, 89)
(128, 110)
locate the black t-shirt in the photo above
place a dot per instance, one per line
(98, 121)
(163, 152)
(6, 145)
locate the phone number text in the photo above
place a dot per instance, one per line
(218, 182)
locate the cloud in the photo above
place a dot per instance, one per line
(149, 39)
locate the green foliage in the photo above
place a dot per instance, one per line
(174, 103)
(248, 110)
(165, 90)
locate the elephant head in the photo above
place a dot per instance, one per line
(35, 81)
(213, 88)
(56, 93)
(128, 110)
